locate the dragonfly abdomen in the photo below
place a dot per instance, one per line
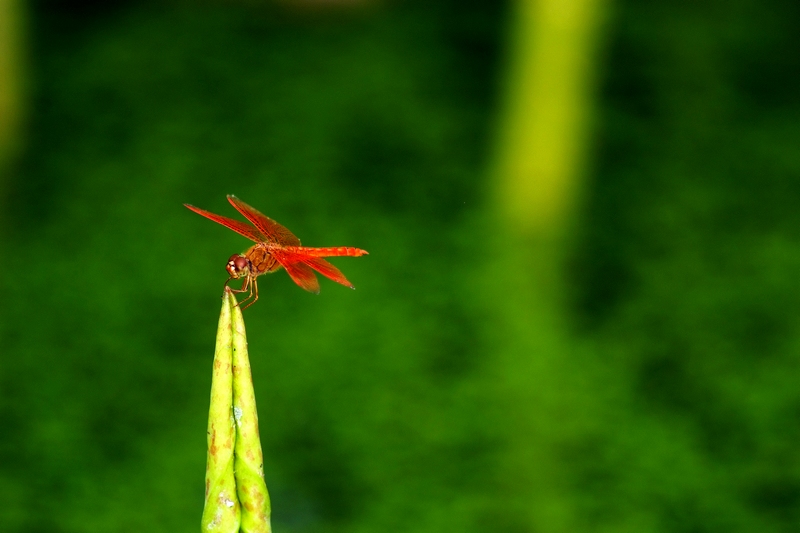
(335, 251)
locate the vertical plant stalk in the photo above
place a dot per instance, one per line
(222, 511)
(538, 173)
(13, 101)
(546, 113)
(236, 494)
(248, 459)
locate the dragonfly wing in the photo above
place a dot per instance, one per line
(268, 227)
(328, 270)
(297, 270)
(317, 263)
(242, 228)
(303, 276)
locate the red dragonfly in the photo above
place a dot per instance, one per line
(276, 247)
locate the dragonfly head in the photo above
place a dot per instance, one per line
(238, 266)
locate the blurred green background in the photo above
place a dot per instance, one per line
(605, 342)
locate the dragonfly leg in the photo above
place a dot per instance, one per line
(244, 288)
(244, 285)
(249, 283)
(253, 294)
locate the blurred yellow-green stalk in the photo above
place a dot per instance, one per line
(13, 95)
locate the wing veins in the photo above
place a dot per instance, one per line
(276, 233)
(242, 228)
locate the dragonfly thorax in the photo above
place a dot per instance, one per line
(238, 266)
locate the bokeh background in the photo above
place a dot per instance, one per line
(580, 311)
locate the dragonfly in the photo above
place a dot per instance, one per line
(275, 247)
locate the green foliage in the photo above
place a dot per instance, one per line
(670, 407)
(686, 266)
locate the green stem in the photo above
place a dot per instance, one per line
(248, 460)
(222, 511)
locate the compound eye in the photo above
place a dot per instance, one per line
(237, 264)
